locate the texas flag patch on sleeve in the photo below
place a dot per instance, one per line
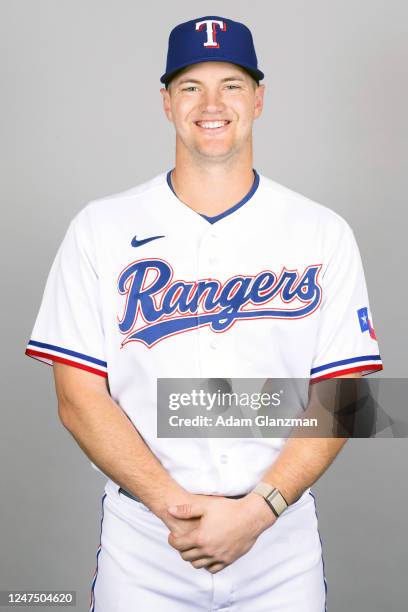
(364, 319)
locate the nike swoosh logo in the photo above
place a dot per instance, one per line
(137, 243)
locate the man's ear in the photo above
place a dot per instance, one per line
(259, 100)
(166, 103)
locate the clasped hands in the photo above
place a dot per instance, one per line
(212, 531)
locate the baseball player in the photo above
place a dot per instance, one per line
(208, 270)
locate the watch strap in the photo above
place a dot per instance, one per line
(272, 496)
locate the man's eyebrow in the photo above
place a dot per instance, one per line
(233, 78)
(186, 80)
(224, 80)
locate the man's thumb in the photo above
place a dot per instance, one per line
(186, 510)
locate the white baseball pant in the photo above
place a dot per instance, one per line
(137, 569)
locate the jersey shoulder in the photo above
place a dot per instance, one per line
(128, 197)
(301, 209)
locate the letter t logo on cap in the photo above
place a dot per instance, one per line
(210, 25)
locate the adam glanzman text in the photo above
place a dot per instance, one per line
(259, 420)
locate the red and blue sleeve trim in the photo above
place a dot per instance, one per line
(366, 364)
(48, 353)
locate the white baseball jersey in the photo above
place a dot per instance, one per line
(144, 287)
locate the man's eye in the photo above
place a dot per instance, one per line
(190, 88)
(233, 87)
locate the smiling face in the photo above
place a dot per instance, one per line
(212, 106)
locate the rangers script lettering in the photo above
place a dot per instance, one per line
(212, 303)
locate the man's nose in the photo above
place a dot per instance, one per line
(212, 102)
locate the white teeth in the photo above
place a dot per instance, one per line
(212, 124)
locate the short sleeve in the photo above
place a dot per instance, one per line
(68, 327)
(346, 340)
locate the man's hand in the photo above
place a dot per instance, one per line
(181, 526)
(227, 529)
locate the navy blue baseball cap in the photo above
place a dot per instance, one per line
(211, 39)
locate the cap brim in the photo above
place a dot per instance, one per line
(258, 75)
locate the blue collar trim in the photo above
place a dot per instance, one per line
(230, 210)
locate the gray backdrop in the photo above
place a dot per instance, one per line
(82, 119)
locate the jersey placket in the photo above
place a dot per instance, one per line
(215, 358)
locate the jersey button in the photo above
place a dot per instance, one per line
(213, 345)
(213, 261)
(224, 458)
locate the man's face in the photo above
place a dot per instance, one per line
(213, 106)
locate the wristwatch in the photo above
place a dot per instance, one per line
(272, 496)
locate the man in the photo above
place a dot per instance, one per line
(207, 271)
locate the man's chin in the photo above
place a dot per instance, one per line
(215, 153)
